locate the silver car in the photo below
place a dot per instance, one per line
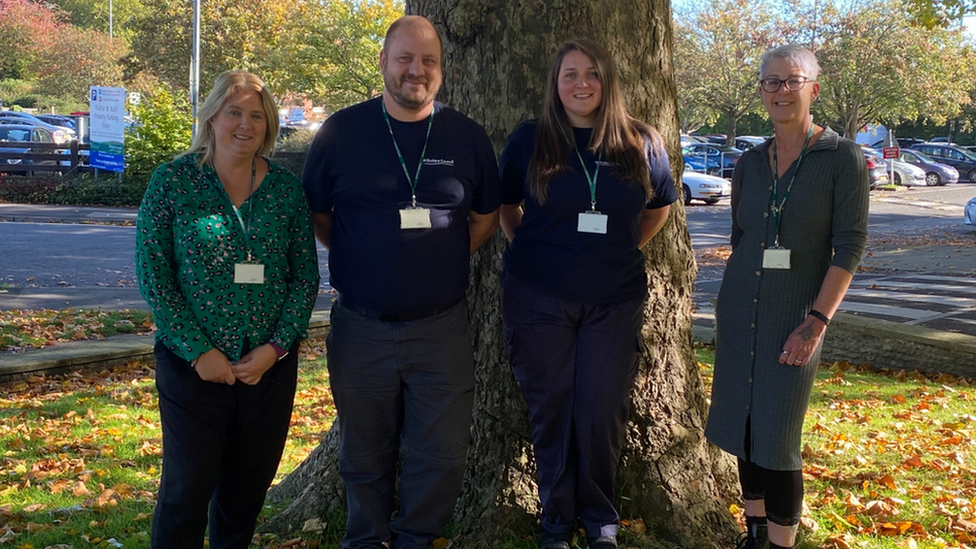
(969, 214)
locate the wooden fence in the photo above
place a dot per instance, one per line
(43, 157)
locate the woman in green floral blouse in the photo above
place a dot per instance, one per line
(226, 260)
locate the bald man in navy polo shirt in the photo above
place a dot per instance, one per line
(403, 190)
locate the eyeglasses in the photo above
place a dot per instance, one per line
(772, 85)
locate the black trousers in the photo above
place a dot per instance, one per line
(221, 448)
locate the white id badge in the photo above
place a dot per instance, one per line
(248, 273)
(592, 222)
(415, 218)
(776, 258)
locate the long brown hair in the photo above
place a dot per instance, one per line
(625, 141)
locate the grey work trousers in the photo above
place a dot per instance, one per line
(403, 390)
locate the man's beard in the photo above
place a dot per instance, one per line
(409, 101)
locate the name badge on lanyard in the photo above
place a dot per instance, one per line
(776, 258)
(415, 218)
(592, 222)
(248, 273)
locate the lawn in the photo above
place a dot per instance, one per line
(20, 330)
(889, 459)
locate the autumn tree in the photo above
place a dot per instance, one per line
(717, 51)
(235, 34)
(334, 53)
(878, 65)
(23, 24)
(496, 56)
(87, 14)
(73, 59)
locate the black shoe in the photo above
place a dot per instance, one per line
(550, 540)
(602, 542)
(749, 541)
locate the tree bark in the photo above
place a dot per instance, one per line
(496, 56)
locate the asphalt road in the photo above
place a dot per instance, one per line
(72, 264)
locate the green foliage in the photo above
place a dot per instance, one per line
(82, 190)
(940, 13)
(163, 129)
(336, 51)
(717, 54)
(292, 150)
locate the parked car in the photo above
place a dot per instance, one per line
(58, 120)
(962, 160)
(728, 156)
(969, 214)
(744, 142)
(25, 134)
(716, 138)
(935, 173)
(906, 174)
(689, 139)
(701, 163)
(61, 134)
(707, 188)
(876, 168)
(970, 148)
(903, 142)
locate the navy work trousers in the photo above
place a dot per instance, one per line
(221, 448)
(576, 366)
(403, 391)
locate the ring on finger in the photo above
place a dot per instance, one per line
(797, 361)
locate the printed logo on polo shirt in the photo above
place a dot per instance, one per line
(437, 162)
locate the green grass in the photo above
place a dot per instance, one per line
(888, 459)
(80, 454)
(80, 459)
(21, 329)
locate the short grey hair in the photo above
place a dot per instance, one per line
(795, 54)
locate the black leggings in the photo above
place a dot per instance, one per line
(782, 491)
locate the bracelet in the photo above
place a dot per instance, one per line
(278, 349)
(193, 363)
(820, 316)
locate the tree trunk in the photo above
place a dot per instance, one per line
(731, 118)
(496, 56)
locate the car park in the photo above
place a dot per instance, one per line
(906, 174)
(727, 156)
(903, 142)
(744, 142)
(962, 160)
(24, 134)
(701, 164)
(876, 169)
(935, 172)
(707, 188)
(969, 214)
(61, 134)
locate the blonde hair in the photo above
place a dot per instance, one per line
(620, 135)
(227, 84)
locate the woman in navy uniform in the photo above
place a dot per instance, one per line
(583, 188)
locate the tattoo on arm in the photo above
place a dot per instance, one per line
(806, 334)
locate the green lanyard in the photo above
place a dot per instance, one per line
(416, 177)
(590, 179)
(778, 208)
(246, 227)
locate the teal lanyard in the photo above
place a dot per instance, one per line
(778, 208)
(590, 179)
(245, 227)
(416, 177)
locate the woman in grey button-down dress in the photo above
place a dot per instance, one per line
(797, 237)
